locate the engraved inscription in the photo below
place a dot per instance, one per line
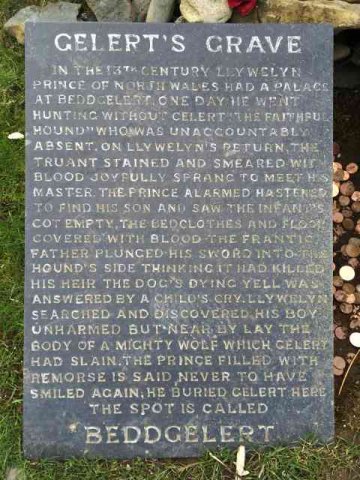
(178, 259)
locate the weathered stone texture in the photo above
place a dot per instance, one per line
(336, 12)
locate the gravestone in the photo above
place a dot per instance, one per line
(178, 238)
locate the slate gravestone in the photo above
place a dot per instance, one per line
(178, 251)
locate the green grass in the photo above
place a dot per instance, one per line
(337, 461)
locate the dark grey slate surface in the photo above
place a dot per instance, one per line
(219, 330)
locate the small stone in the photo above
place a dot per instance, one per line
(341, 51)
(111, 10)
(355, 339)
(52, 12)
(140, 10)
(160, 11)
(337, 12)
(15, 26)
(203, 11)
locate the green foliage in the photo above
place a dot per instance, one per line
(337, 461)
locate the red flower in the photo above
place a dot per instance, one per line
(243, 7)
